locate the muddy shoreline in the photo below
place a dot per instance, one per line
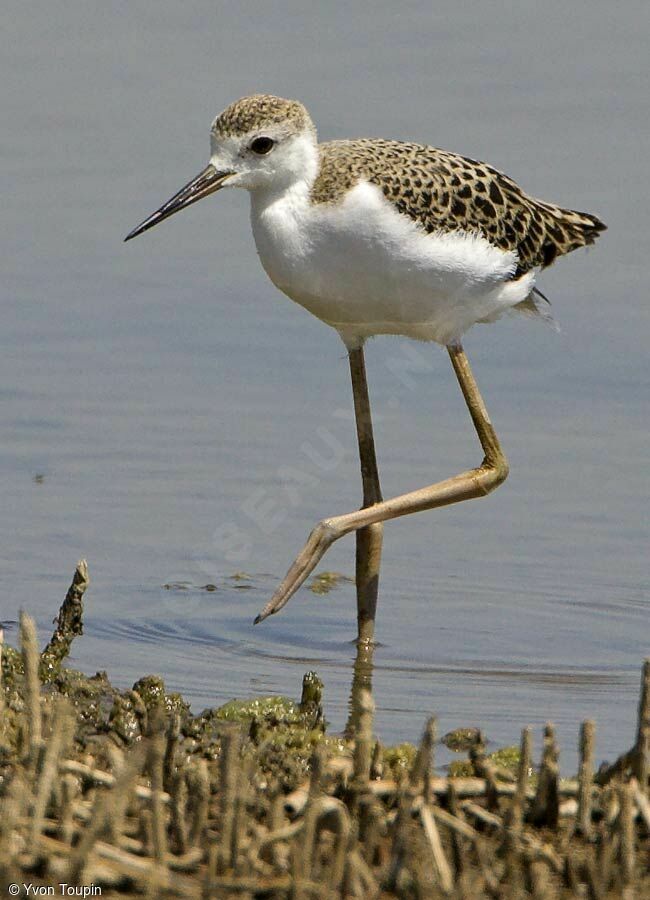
(129, 791)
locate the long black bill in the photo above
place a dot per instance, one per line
(206, 182)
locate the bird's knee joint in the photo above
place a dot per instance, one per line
(325, 531)
(501, 471)
(493, 473)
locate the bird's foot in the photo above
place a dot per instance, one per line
(321, 538)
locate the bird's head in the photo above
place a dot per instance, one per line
(258, 143)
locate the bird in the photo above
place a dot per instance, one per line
(373, 237)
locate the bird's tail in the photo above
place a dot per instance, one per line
(584, 227)
(569, 229)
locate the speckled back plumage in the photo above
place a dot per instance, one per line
(445, 192)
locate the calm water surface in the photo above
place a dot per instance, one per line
(189, 422)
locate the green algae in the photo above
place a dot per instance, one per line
(275, 707)
(311, 701)
(155, 696)
(398, 760)
(505, 759)
(279, 735)
(127, 718)
(460, 739)
(325, 582)
(92, 699)
(12, 668)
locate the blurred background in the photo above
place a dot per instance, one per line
(169, 415)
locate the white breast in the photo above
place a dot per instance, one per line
(364, 268)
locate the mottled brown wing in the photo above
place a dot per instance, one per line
(446, 192)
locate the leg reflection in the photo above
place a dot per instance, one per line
(361, 681)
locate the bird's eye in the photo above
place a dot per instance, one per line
(262, 145)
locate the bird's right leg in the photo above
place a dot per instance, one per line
(468, 485)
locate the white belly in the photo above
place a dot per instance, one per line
(363, 268)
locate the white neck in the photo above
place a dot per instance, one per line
(293, 176)
(281, 212)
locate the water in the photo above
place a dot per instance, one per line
(187, 422)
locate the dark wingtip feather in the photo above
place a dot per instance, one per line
(591, 224)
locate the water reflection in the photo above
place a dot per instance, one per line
(362, 670)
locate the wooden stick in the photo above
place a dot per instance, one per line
(644, 701)
(304, 850)
(178, 809)
(469, 786)
(642, 803)
(105, 779)
(171, 744)
(68, 623)
(585, 776)
(2, 687)
(422, 769)
(627, 839)
(29, 648)
(228, 772)
(62, 732)
(546, 805)
(339, 821)
(635, 759)
(126, 865)
(105, 806)
(438, 854)
(517, 809)
(486, 769)
(155, 763)
(198, 787)
(643, 760)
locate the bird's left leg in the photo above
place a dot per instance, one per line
(370, 537)
(468, 485)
